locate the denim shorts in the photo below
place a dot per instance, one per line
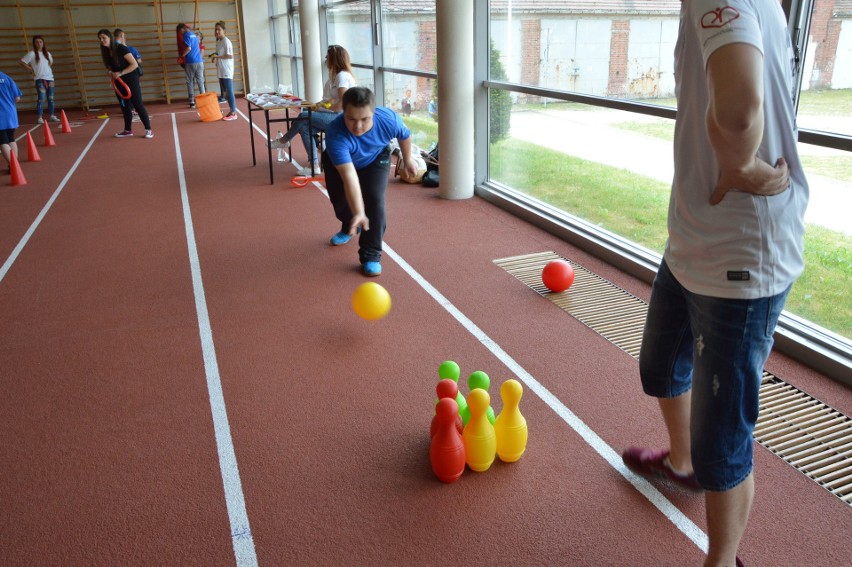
(717, 348)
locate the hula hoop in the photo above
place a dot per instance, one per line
(115, 86)
(302, 180)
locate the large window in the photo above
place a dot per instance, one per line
(613, 168)
(350, 25)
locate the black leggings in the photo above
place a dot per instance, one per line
(374, 184)
(135, 101)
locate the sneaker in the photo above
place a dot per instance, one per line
(221, 99)
(372, 269)
(149, 134)
(124, 134)
(53, 118)
(655, 462)
(307, 171)
(192, 105)
(40, 120)
(230, 116)
(279, 144)
(340, 239)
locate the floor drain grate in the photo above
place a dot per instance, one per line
(812, 437)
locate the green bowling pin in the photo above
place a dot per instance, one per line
(478, 379)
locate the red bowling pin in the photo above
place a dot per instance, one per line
(447, 449)
(446, 388)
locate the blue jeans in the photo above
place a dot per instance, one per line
(45, 90)
(226, 87)
(717, 348)
(320, 119)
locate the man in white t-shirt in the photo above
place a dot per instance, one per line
(736, 235)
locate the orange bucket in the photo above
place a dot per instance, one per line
(207, 105)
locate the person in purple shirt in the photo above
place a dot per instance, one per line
(357, 163)
(10, 94)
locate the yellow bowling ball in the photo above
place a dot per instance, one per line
(371, 301)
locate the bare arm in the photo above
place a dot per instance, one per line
(735, 123)
(338, 106)
(408, 163)
(129, 69)
(352, 189)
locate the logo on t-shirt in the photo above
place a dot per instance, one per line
(719, 17)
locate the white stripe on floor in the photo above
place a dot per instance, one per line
(241, 537)
(668, 509)
(23, 242)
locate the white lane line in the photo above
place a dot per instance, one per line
(263, 134)
(241, 537)
(23, 242)
(665, 506)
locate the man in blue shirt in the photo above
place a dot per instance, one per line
(193, 63)
(10, 94)
(357, 164)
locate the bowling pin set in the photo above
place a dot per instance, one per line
(466, 432)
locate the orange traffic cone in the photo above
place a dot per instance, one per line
(66, 127)
(48, 136)
(17, 174)
(32, 152)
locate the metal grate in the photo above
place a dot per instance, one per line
(812, 437)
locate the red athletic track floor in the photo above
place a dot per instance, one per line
(107, 448)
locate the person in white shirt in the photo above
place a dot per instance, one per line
(735, 247)
(40, 62)
(224, 58)
(340, 79)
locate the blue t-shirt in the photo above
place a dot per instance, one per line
(8, 109)
(345, 147)
(191, 41)
(134, 52)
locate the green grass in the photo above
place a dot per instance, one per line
(635, 207)
(835, 167)
(830, 102)
(424, 130)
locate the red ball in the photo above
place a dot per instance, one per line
(557, 275)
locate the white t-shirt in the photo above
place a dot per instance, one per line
(343, 80)
(42, 67)
(747, 246)
(224, 67)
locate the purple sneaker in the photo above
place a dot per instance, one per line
(654, 462)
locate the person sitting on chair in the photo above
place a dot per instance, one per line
(340, 78)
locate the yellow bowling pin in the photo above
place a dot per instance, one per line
(510, 426)
(480, 441)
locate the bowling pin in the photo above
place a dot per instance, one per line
(451, 370)
(446, 452)
(511, 427)
(478, 379)
(480, 441)
(446, 388)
